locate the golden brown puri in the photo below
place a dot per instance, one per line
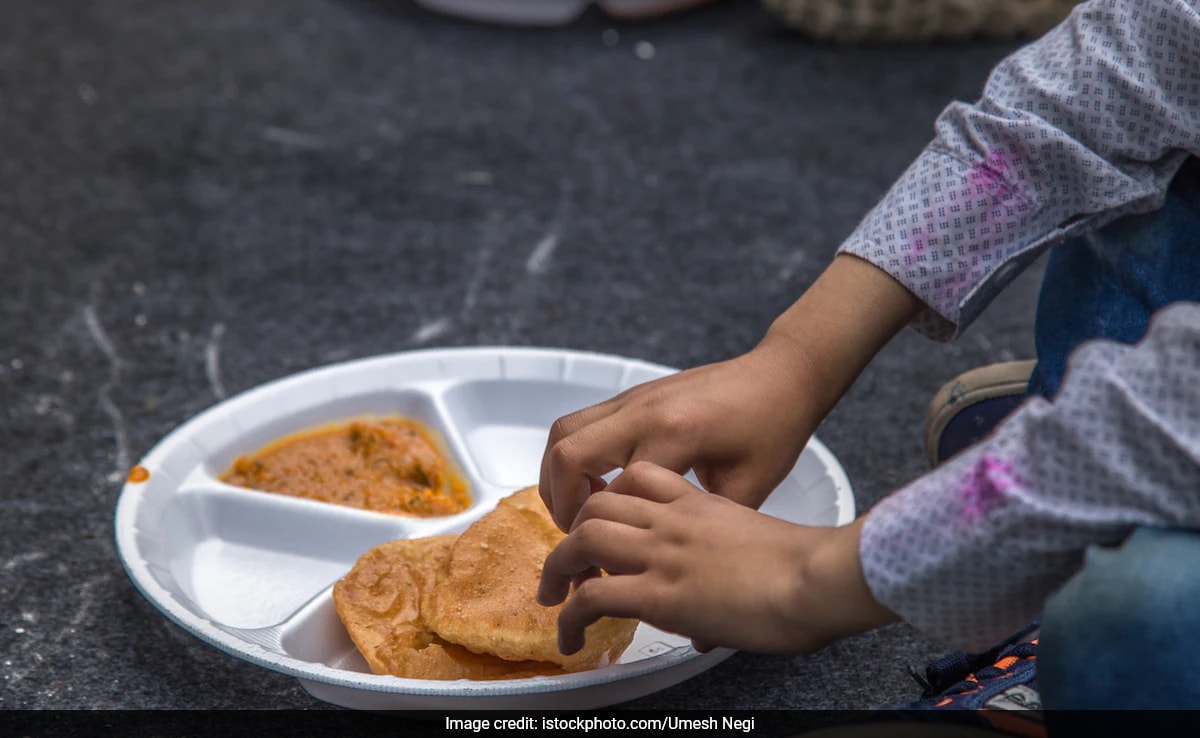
(464, 607)
(389, 465)
(485, 597)
(382, 602)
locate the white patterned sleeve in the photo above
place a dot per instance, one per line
(969, 552)
(1084, 125)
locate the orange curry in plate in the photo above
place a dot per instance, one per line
(388, 465)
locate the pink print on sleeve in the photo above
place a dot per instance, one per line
(988, 194)
(985, 487)
(992, 176)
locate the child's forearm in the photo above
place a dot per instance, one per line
(839, 324)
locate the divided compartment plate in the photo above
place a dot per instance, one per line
(251, 572)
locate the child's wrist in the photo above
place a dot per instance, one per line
(834, 592)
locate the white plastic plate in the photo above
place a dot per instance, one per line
(251, 572)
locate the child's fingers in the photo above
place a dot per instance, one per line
(609, 504)
(578, 580)
(580, 449)
(738, 483)
(572, 467)
(614, 596)
(650, 481)
(595, 543)
(701, 646)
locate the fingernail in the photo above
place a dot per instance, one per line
(548, 596)
(565, 647)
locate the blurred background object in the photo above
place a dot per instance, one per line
(920, 20)
(846, 21)
(555, 12)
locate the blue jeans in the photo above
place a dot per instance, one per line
(1124, 632)
(1108, 284)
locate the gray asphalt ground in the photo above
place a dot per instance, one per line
(197, 198)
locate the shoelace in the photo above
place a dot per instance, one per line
(1008, 657)
(956, 666)
(950, 674)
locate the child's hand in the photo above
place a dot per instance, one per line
(739, 424)
(707, 568)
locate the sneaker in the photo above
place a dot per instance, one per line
(982, 696)
(553, 12)
(920, 20)
(996, 690)
(969, 406)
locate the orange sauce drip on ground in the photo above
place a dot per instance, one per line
(391, 465)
